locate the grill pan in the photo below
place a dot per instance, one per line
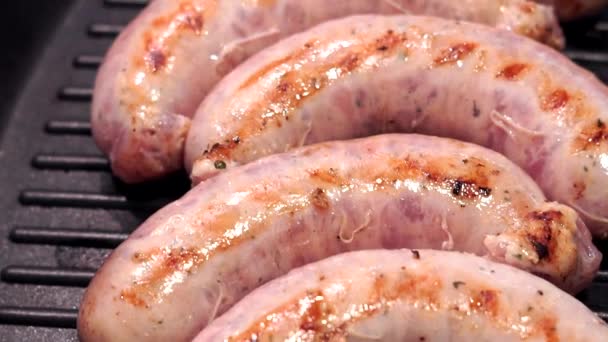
(61, 210)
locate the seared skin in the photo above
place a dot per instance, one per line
(366, 75)
(574, 9)
(407, 295)
(198, 256)
(165, 62)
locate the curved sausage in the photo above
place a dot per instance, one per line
(199, 255)
(407, 295)
(371, 74)
(164, 63)
(574, 9)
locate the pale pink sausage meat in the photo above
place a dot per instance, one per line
(165, 62)
(407, 295)
(366, 75)
(231, 233)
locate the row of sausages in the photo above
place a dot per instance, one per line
(265, 205)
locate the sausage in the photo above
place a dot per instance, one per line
(231, 233)
(568, 10)
(372, 74)
(407, 295)
(165, 62)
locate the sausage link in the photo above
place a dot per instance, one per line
(198, 256)
(407, 295)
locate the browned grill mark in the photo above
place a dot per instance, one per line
(547, 326)
(296, 86)
(485, 301)
(319, 199)
(512, 71)
(140, 257)
(274, 64)
(194, 21)
(162, 36)
(311, 308)
(221, 151)
(541, 240)
(349, 62)
(283, 87)
(168, 262)
(541, 235)
(388, 41)
(422, 289)
(470, 181)
(593, 135)
(541, 248)
(528, 7)
(155, 60)
(454, 53)
(317, 311)
(378, 289)
(579, 188)
(555, 100)
(132, 297)
(330, 176)
(467, 188)
(547, 216)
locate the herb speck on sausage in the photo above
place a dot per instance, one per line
(476, 111)
(416, 254)
(458, 283)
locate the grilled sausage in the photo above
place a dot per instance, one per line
(371, 74)
(235, 231)
(407, 295)
(575, 9)
(164, 63)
